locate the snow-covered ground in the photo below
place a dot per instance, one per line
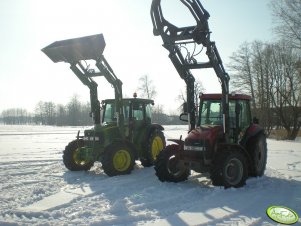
(36, 188)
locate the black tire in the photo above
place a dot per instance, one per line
(229, 169)
(156, 143)
(258, 152)
(118, 159)
(70, 158)
(167, 166)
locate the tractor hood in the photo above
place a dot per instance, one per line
(103, 134)
(207, 134)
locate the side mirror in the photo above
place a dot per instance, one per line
(184, 117)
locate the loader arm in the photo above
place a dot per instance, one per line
(174, 38)
(75, 51)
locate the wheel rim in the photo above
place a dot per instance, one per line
(121, 160)
(76, 158)
(234, 171)
(174, 166)
(157, 146)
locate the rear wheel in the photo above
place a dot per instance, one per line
(156, 144)
(168, 167)
(71, 157)
(118, 159)
(229, 169)
(258, 151)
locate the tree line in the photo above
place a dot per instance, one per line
(74, 113)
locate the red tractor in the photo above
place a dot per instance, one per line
(223, 139)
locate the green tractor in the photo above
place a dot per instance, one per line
(123, 131)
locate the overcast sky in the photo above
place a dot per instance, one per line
(28, 76)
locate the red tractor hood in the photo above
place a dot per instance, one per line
(203, 133)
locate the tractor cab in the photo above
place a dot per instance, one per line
(139, 130)
(211, 114)
(137, 115)
(134, 109)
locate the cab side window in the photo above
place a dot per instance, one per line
(245, 114)
(126, 113)
(148, 113)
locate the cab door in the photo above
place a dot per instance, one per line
(239, 118)
(137, 121)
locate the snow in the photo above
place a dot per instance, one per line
(36, 188)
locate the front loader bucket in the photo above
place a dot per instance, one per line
(76, 49)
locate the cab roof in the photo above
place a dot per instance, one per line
(137, 100)
(218, 96)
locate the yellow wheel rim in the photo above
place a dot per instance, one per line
(76, 159)
(157, 146)
(121, 160)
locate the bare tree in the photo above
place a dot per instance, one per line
(74, 111)
(39, 117)
(50, 113)
(45, 113)
(287, 17)
(241, 71)
(286, 88)
(261, 67)
(61, 115)
(198, 89)
(146, 87)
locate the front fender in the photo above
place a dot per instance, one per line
(177, 141)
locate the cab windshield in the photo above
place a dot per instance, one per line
(109, 114)
(210, 113)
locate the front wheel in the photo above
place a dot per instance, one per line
(118, 159)
(168, 167)
(229, 169)
(72, 159)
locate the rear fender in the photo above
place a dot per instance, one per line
(155, 126)
(252, 131)
(151, 128)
